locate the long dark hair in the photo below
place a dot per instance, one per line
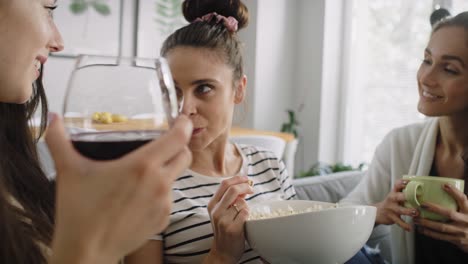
(461, 21)
(26, 195)
(211, 34)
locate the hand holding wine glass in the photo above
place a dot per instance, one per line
(113, 206)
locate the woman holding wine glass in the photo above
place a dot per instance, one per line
(104, 210)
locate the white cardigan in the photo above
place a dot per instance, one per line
(407, 150)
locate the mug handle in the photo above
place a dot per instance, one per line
(412, 190)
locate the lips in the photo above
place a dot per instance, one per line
(41, 59)
(197, 131)
(430, 96)
(38, 62)
(37, 66)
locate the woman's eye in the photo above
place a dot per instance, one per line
(50, 10)
(204, 89)
(426, 61)
(451, 71)
(179, 93)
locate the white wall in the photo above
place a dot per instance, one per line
(331, 110)
(244, 112)
(289, 70)
(309, 78)
(275, 80)
(56, 74)
(58, 69)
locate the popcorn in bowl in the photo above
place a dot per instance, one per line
(266, 212)
(312, 230)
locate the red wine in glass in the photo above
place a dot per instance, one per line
(111, 145)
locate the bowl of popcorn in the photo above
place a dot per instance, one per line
(298, 231)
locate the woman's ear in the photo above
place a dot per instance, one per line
(240, 90)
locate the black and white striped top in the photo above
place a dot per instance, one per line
(189, 236)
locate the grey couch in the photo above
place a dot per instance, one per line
(332, 188)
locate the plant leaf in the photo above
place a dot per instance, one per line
(101, 8)
(78, 7)
(161, 22)
(162, 12)
(176, 6)
(163, 8)
(295, 133)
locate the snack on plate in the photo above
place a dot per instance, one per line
(108, 118)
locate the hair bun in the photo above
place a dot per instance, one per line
(193, 9)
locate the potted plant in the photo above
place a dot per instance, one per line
(291, 126)
(321, 168)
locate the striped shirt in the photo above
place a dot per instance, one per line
(189, 236)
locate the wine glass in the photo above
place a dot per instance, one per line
(114, 105)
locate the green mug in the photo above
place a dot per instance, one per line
(422, 189)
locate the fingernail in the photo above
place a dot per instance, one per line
(424, 206)
(414, 212)
(50, 118)
(190, 124)
(447, 186)
(405, 182)
(188, 129)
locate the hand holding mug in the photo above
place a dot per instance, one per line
(455, 230)
(430, 189)
(390, 210)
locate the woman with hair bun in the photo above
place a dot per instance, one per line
(211, 199)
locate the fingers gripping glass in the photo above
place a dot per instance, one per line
(114, 105)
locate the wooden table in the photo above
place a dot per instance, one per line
(238, 131)
(143, 124)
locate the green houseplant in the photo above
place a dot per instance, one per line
(80, 6)
(321, 168)
(291, 126)
(169, 16)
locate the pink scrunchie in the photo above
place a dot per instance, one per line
(229, 22)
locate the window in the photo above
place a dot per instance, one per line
(384, 51)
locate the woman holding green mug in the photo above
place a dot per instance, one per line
(438, 147)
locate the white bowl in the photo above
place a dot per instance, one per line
(331, 235)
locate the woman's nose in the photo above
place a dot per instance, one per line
(56, 41)
(428, 76)
(188, 106)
